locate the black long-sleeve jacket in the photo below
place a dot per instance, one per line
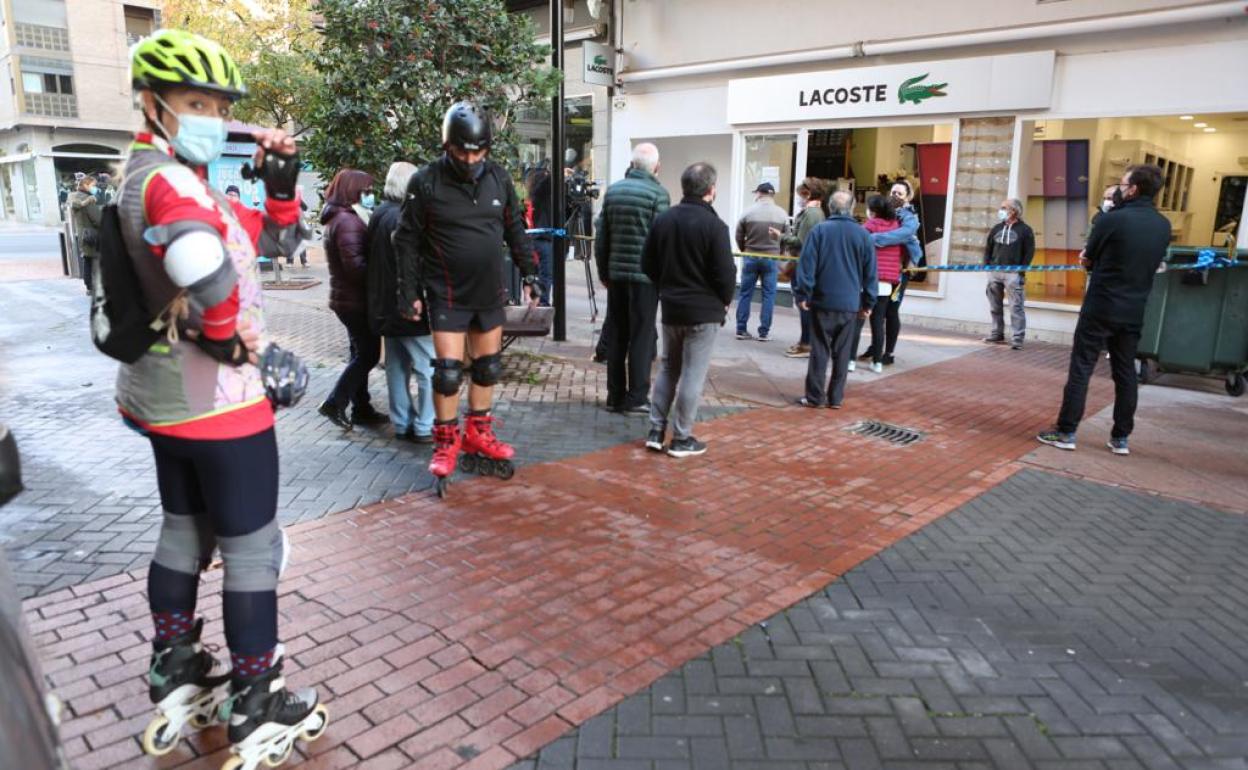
(451, 234)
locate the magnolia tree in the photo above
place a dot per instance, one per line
(390, 69)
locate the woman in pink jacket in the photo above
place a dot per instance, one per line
(881, 219)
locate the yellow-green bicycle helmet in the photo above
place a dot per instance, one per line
(173, 57)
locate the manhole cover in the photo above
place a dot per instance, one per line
(893, 434)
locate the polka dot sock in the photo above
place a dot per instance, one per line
(251, 665)
(171, 625)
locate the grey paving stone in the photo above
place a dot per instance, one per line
(1050, 623)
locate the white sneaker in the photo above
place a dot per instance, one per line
(877, 367)
(853, 366)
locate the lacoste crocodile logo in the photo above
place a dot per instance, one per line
(600, 60)
(911, 91)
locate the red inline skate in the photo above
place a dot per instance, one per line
(483, 453)
(446, 443)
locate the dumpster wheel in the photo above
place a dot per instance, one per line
(1235, 384)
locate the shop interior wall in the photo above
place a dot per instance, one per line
(676, 153)
(1210, 155)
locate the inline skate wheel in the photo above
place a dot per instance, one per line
(311, 734)
(233, 763)
(470, 464)
(200, 721)
(441, 486)
(505, 469)
(155, 741)
(485, 466)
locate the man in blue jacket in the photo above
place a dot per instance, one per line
(836, 271)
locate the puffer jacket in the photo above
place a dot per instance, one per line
(85, 210)
(346, 251)
(628, 209)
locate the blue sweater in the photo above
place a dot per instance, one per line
(837, 267)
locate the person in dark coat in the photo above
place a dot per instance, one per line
(345, 243)
(688, 257)
(1126, 246)
(409, 346)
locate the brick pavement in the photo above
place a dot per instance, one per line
(1048, 623)
(92, 507)
(474, 631)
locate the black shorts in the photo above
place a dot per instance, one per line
(462, 319)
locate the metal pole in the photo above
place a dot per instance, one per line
(557, 214)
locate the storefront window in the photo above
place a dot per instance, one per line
(769, 158)
(1067, 165)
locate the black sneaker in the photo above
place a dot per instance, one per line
(336, 415)
(686, 447)
(888, 359)
(654, 440)
(642, 408)
(367, 415)
(416, 438)
(744, 336)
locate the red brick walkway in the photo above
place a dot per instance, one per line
(473, 631)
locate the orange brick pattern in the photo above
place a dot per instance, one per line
(471, 632)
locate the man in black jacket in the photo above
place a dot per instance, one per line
(688, 257)
(459, 210)
(1010, 242)
(1125, 248)
(409, 348)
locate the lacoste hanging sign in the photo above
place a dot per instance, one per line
(990, 83)
(599, 66)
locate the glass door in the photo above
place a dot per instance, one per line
(769, 158)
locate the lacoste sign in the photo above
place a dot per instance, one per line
(599, 66)
(990, 83)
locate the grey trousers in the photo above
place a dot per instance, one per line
(682, 374)
(831, 337)
(1000, 286)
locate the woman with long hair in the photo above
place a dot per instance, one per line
(346, 251)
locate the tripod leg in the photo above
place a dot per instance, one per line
(593, 298)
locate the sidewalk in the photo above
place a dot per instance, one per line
(800, 597)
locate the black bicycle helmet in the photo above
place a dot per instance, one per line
(285, 377)
(467, 127)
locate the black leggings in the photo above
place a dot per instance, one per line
(230, 488)
(879, 313)
(365, 346)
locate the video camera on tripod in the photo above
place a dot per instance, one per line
(579, 189)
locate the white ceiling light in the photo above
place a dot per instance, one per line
(1185, 117)
(1201, 125)
(1210, 130)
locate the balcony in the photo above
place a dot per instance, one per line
(51, 105)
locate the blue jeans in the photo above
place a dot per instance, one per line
(545, 267)
(752, 271)
(406, 356)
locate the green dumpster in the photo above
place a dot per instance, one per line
(1196, 322)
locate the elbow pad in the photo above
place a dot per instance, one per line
(195, 260)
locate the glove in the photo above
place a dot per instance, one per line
(231, 351)
(279, 174)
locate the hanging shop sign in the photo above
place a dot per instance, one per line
(983, 84)
(599, 64)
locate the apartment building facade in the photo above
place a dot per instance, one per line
(67, 106)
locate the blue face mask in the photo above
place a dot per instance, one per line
(367, 200)
(200, 139)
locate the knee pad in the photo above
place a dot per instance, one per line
(448, 375)
(254, 562)
(487, 370)
(185, 545)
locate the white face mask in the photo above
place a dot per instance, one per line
(1106, 206)
(1002, 214)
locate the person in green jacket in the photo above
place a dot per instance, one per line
(84, 208)
(628, 209)
(810, 195)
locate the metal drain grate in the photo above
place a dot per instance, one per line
(893, 434)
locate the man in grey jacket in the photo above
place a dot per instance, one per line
(759, 232)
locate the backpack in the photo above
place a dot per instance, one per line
(122, 325)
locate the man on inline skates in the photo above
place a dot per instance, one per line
(204, 396)
(459, 211)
